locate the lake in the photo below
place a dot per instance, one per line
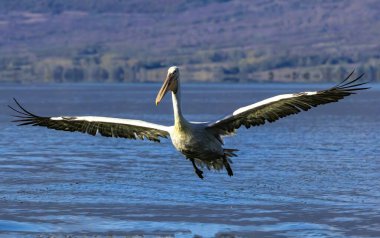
(315, 174)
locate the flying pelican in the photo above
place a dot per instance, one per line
(201, 143)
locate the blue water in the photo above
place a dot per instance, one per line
(315, 174)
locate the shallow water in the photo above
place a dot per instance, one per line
(315, 174)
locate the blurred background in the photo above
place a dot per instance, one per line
(212, 40)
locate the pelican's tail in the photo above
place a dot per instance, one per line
(230, 153)
(210, 161)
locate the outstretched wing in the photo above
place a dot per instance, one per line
(274, 108)
(105, 126)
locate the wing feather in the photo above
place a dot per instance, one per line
(105, 126)
(274, 108)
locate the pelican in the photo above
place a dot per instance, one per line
(199, 142)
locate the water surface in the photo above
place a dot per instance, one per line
(315, 174)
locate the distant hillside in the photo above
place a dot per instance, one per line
(230, 41)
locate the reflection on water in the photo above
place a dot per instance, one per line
(310, 175)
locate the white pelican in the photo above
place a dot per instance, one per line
(201, 143)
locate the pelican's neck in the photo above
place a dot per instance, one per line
(179, 120)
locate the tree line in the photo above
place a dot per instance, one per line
(96, 64)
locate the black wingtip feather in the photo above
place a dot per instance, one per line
(356, 85)
(24, 117)
(23, 113)
(23, 109)
(349, 76)
(350, 84)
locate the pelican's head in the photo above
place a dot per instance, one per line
(170, 83)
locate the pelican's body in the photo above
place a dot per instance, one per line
(201, 143)
(193, 139)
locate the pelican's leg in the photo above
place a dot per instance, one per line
(197, 171)
(227, 166)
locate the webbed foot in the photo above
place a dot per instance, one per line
(229, 171)
(199, 173)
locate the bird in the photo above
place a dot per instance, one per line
(200, 142)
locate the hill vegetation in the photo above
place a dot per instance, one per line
(219, 41)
